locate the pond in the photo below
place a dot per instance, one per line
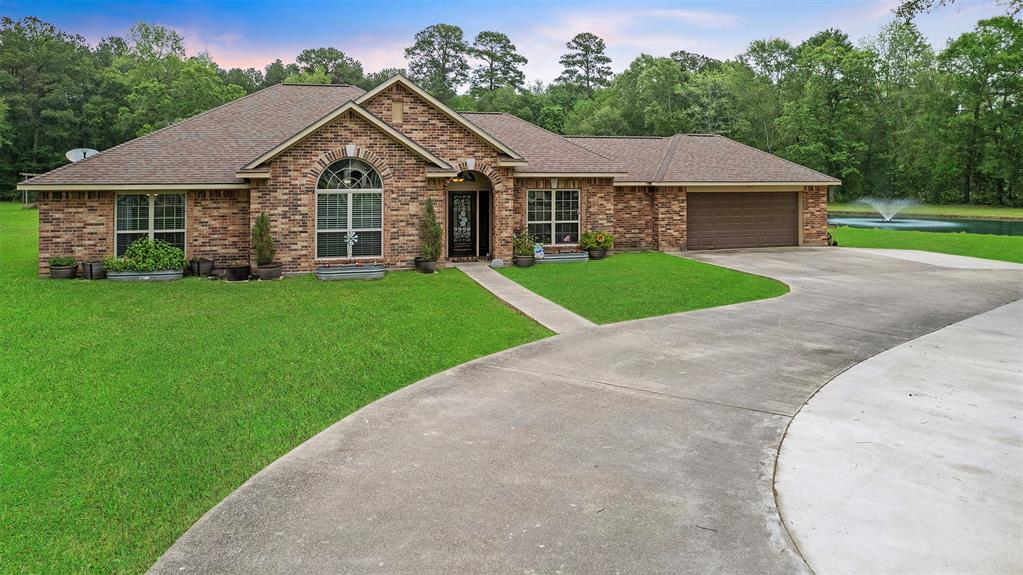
(973, 226)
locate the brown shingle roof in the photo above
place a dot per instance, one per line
(210, 147)
(545, 151)
(699, 158)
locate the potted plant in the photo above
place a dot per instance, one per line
(597, 242)
(63, 267)
(429, 239)
(94, 270)
(263, 245)
(200, 267)
(147, 260)
(523, 254)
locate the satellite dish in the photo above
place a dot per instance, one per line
(79, 154)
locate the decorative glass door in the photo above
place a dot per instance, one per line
(462, 225)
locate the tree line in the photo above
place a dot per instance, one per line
(890, 115)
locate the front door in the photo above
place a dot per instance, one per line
(462, 225)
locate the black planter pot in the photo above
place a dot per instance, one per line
(200, 267)
(427, 267)
(598, 254)
(63, 272)
(238, 273)
(271, 271)
(524, 261)
(94, 271)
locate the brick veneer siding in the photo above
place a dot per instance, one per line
(670, 218)
(79, 224)
(596, 203)
(634, 218)
(815, 215)
(217, 226)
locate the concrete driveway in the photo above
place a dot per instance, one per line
(641, 447)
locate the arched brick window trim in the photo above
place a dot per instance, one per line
(332, 156)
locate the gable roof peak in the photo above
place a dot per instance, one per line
(398, 78)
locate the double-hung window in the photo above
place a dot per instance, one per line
(553, 216)
(154, 216)
(349, 211)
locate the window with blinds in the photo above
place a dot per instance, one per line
(349, 211)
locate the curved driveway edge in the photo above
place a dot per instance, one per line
(912, 461)
(642, 447)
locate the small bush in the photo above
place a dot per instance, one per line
(429, 233)
(522, 243)
(146, 255)
(62, 261)
(597, 240)
(263, 241)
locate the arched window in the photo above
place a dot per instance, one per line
(349, 211)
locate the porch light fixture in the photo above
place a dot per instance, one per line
(463, 177)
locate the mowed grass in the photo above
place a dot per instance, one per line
(1005, 248)
(129, 410)
(953, 210)
(636, 285)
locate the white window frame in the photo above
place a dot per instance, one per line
(554, 221)
(151, 230)
(348, 219)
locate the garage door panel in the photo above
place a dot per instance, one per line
(742, 219)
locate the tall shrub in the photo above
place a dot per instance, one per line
(429, 233)
(263, 241)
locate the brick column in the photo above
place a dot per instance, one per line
(670, 218)
(815, 215)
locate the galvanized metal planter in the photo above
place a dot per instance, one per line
(157, 276)
(564, 258)
(354, 272)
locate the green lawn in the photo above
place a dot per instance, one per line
(634, 285)
(1006, 248)
(955, 210)
(129, 410)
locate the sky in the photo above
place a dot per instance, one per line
(253, 33)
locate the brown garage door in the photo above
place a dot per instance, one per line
(742, 219)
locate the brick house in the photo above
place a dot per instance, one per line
(343, 174)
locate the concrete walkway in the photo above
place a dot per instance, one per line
(641, 447)
(547, 313)
(912, 461)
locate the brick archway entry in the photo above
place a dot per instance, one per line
(470, 217)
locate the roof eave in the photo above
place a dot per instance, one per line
(132, 187)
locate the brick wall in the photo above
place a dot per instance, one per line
(217, 226)
(815, 215)
(79, 224)
(670, 218)
(634, 218)
(596, 202)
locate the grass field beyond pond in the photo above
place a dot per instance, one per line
(129, 410)
(636, 285)
(1005, 248)
(954, 210)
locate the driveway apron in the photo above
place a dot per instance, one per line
(641, 447)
